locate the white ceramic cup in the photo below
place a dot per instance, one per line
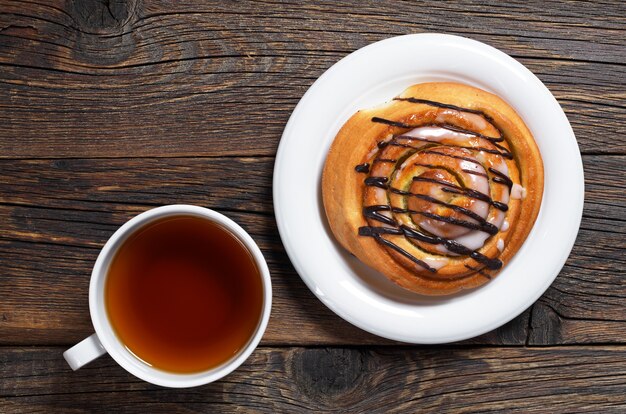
(105, 340)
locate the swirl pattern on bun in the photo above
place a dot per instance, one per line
(436, 189)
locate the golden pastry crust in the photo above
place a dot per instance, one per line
(413, 207)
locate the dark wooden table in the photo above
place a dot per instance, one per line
(109, 108)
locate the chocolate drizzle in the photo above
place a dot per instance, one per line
(503, 152)
(449, 106)
(480, 271)
(384, 213)
(488, 227)
(442, 105)
(482, 224)
(458, 157)
(380, 182)
(451, 245)
(501, 178)
(362, 168)
(468, 132)
(433, 180)
(373, 212)
(391, 123)
(500, 149)
(404, 253)
(477, 195)
(475, 173)
(452, 188)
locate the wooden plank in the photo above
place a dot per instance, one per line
(397, 380)
(128, 186)
(586, 302)
(144, 80)
(56, 214)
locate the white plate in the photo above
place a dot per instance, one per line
(360, 295)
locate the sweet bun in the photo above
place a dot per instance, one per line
(436, 189)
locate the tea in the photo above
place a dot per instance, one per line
(183, 294)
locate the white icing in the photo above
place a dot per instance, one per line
(497, 219)
(436, 262)
(477, 121)
(374, 150)
(473, 240)
(518, 192)
(505, 225)
(481, 184)
(380, 194)
(500, 244)
(371, 154)
(436, 134)
(481, 157)
(442, 249)
(472, 166)
(431, 227)
(502, 168)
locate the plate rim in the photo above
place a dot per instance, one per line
(310, 282)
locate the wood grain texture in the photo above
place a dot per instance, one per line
(56, 214)
(586, 303)
(139, 78)
(111, 107)
(336, 380)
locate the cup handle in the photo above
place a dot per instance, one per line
(84, 352)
